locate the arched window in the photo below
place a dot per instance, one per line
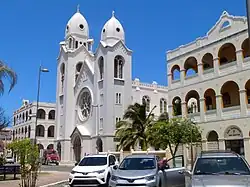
(62, 69)
(41, 114)
(70, 43)
(78, 69)
(101, 67)
(51, 131)
(163, 105)
(52, 114)
(30, 112)
(118, 67)
(40, 131)
(146, 101)
(27, 116)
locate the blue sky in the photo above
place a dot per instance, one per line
(31, 31)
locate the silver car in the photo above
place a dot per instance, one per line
(219, 168)
(143, 170)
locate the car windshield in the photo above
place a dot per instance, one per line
(137, 164)
(223, 165)
(93, 161)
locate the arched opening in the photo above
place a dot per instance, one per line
(30, 112)
(245, 48)
(193, 102)
(25, 131)
(50, 146)
(40, 131)
(176, 103)
(52, 114)
(210, 99)
(29, 130)
(51, 130)
(99, 145)
(59, 149)
(190, 66)
(77, 148)
(14, 120)
(227, 53)
(70, 43)
(213, 142)
(41, 114)
(163, 105)
(234, 140)
(22, 130)
(78, 70)
(230, 94)
(247, 87)
(101, 67)
(13, 135)
(23, 118)
(175, 71)
(118, 67)
(208, 61)
(27, 116)
(62, 70)
(146, 102)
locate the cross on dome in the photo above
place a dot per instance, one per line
(78, 8)
(113, 13)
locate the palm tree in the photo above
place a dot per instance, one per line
(132, 130)
(7, 73)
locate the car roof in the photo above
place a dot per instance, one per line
(217, 153)
(141, 156)
(98, 155)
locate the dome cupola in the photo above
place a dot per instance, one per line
(77, 25)
(112, 31)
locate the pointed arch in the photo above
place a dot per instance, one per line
(101, 67)
(146, 101)
(163, 105)
(118, 66)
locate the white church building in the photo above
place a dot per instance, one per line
(94, 88)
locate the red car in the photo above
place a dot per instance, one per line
(50, 156)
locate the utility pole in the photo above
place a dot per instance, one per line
(248, 18)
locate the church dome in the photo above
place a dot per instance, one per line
(113, 30)
(77, 25)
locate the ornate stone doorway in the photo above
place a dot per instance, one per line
(77, 148)
(234, 140)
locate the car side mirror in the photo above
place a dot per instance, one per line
(76, 164)
(115, 167)
(187, 173)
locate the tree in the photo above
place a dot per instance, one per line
(4, 121)
(7, 73)
(28, 155)
(133, 128)
(173, 133)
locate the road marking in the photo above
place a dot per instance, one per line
(55, 183)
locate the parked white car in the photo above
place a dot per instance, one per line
(93, 170)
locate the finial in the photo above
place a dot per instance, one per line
(113, 13)
(78, 8)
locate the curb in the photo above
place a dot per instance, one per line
(55, 183)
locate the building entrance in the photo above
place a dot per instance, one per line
(236, 146)
(234, 140)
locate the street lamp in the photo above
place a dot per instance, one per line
(41, 70)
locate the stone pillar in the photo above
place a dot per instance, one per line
(169, 80)
(239, 58)
(204, 145)
(202, 109)
(200, 71)
(65, 151)
(216, 66)
(243, 103)
(222, 144)
(170, 111)
(219, 106)
(182, 76)
(184, 109)
(247, 148)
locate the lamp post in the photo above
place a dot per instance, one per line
(248, 16)
(41, 70)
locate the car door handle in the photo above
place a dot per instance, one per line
(181, 172)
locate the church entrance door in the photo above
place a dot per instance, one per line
(77, 149)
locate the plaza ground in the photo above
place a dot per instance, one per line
(49, 175)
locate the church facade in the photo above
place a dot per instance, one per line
(95, 88)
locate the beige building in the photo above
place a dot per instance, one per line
(209, 81)
(24, 123)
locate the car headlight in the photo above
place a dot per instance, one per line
(73, 172)
(150, 178)
(101, 171)
(114, 178)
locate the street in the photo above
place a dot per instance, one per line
(56, 168)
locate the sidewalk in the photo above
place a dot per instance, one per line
(43, 179)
